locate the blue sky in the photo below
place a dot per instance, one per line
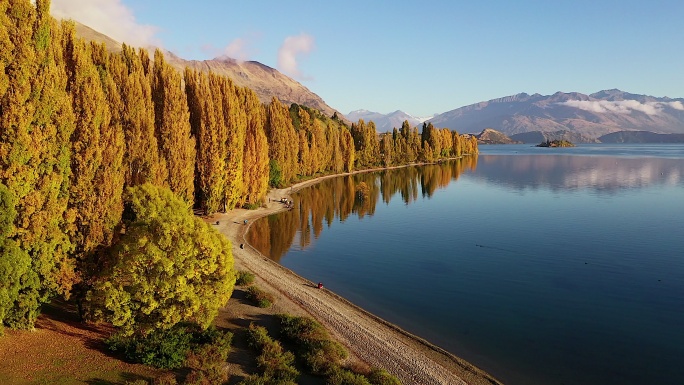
(421, 57)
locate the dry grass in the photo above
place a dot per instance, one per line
(62, 350)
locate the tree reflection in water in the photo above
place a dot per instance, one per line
(338, 197)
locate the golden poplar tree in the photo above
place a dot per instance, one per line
(204, 94)
(320, 153)
(308, 154)
(347, 148)
(142, 160)
(37, 122)
(110, 176)
(235, 122)
(256, 167)
(283, 141)
(333, 137)
(89, 102)
(172, 128)
(456, 144)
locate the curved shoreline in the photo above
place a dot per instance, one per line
(372, 339)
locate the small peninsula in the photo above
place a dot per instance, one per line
(555, 143)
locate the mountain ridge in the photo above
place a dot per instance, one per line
(265, 81)
(593, 115)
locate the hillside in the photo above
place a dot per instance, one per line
(591, 115)
(641, 137)
(489, 136)
(262, 79)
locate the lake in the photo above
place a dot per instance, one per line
(539, 265)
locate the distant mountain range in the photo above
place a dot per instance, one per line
(386, 122)
(569, 115)
(592, 115)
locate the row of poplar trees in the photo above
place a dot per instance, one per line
(79, 125)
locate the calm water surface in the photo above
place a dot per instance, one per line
(541, 266)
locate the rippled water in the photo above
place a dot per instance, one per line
(540, 266)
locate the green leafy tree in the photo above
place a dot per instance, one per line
(168, 267)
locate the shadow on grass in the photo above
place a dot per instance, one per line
(62, 317)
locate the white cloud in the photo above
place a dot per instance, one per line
(677, 105)
(622, 106)
(109, 17)
(237, 49)
(292, 47)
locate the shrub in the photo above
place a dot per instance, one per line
(323, 356)
(137, 382)
(214, 337)
(264, 380)
(252, 206)
(261, 298)
(302, 330)
(319, 352)
(257, 336)
(197, 377)
(162, 348)
(244, 278)
(275, 362)
(379, 376)
(165, 379)
(168, 349)
(345, 377)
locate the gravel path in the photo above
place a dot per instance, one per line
(373, 340)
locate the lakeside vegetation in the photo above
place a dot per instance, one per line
(104, 155)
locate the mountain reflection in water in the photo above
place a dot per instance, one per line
(568, 172)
